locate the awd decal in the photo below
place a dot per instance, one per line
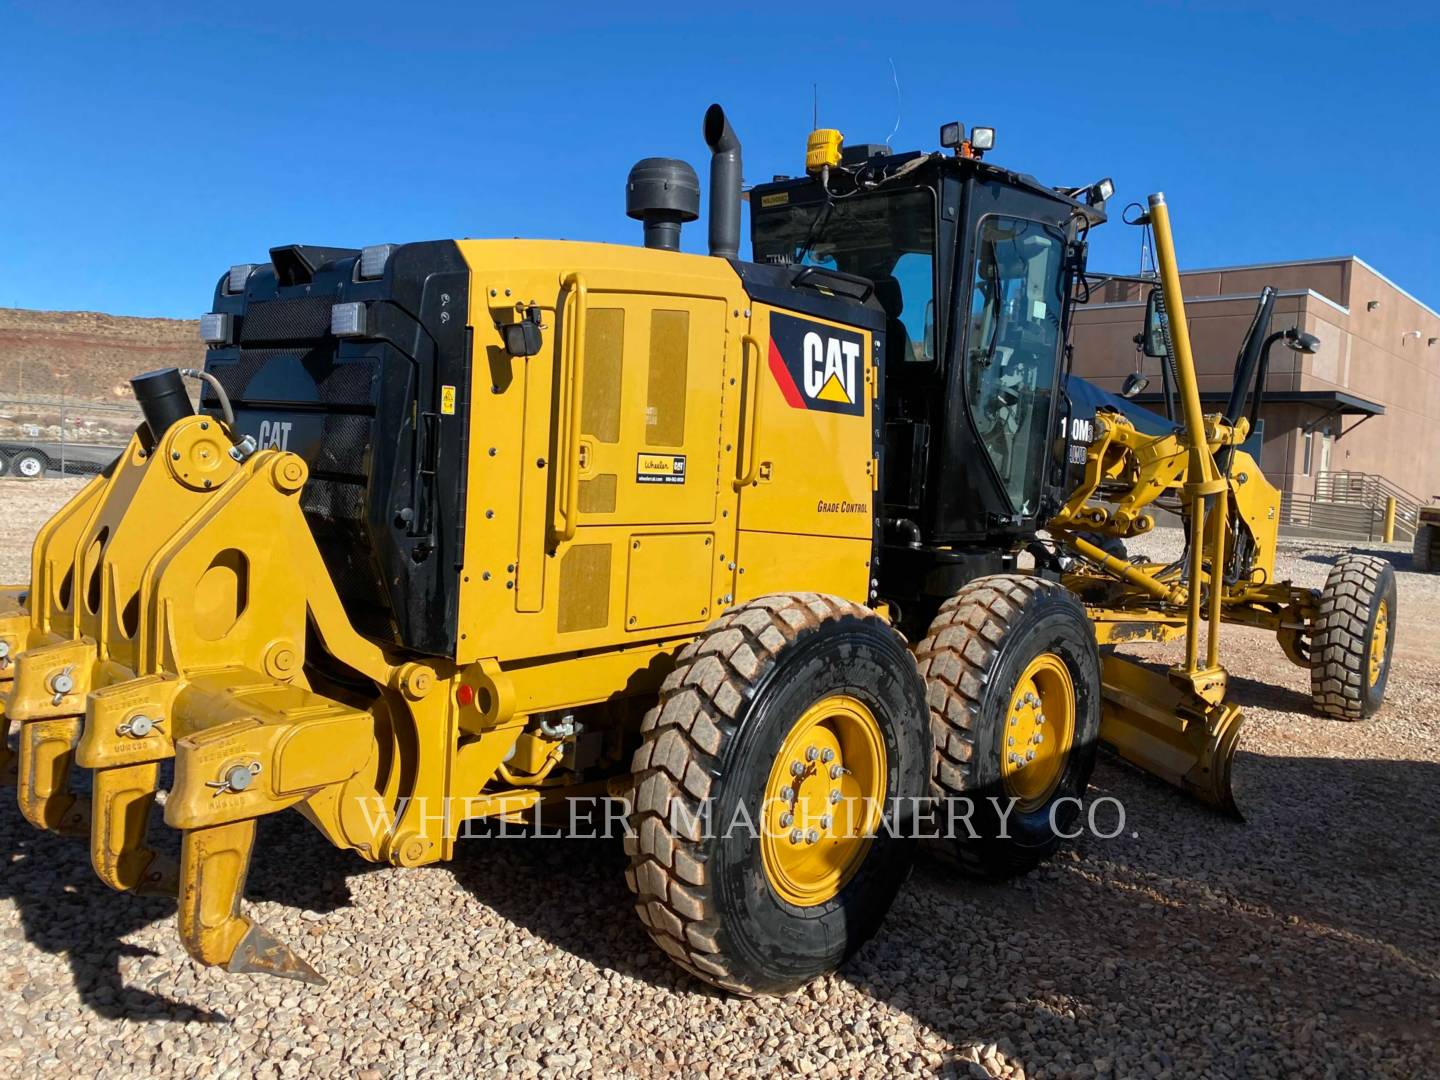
(660, 469)
(818, 367)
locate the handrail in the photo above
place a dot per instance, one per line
(572, 389)
(749, 464)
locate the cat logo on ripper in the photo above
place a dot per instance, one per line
(816, 366)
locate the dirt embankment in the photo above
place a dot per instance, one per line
(86, 355)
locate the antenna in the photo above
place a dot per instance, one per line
(894, 76)
(814, 106)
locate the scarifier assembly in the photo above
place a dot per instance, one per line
(465, 529)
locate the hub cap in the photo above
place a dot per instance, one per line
(28, 467)
(1378, 641)
(1039, 729)
(823, 801)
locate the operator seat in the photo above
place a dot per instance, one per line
(899, 349)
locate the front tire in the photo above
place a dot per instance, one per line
(779, 705)
(1353, 638)
(1013, 679)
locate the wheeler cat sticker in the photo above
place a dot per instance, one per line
(660, 469)
(817, 366)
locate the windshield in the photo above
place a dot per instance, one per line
(1014, 347)
(889, 239)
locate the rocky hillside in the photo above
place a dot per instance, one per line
(85, 355)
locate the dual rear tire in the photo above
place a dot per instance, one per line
(783, 775)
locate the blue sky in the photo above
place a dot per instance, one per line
(145, 147)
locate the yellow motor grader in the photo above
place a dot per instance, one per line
(465, 529)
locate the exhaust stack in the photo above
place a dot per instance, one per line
(724, 184)
(163, 400)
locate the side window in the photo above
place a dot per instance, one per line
(914, 274)
(1013, 348)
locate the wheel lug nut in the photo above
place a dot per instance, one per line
(796, 836)
(811, 753)
(786, 820)
(1039, 739)
(825, 821)
(827, 756)
(1010, 741)
(1029, 755)
(836, 772)
(796, 768)
(812, 837)
(787, 794)
(834, 797)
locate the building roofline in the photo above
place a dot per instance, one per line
(1312, 262)
(1229, 296)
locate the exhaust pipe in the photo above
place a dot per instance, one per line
(724, 184)
(163, 401)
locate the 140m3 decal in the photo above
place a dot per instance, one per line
(817, 366)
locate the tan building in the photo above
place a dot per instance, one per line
(1367, 401)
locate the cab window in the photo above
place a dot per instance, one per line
(888, 238)
(1013, 348)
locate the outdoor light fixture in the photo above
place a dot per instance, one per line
(982, 138)
(1100, 191)
(216, 328)
(237, 277)
(1135, 382)
(1371, 305)
(1298, 341)
(373, 260)
(1432, 341)
(348, 320)
(952, 135)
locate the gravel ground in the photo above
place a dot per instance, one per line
(1301, 943)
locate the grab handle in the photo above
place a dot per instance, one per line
(572, 390)
(749, 463)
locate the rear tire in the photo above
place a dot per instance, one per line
(982, 645)
(4, 464)
(712, 744)
(1354, 637)
(1427, 548)
(29, 465)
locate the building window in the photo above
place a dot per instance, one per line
(1309, 442)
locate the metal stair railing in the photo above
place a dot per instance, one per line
(1371, 492)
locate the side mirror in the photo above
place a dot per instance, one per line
(1152, 340)
(1134, 383)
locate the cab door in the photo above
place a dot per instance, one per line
(807, 463)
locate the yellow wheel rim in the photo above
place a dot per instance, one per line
(1378, 641)
(823, 801)
(1039, 730)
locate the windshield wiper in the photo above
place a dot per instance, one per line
(817, 224)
